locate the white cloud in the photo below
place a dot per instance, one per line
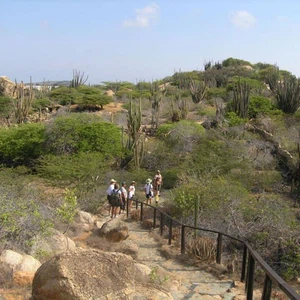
(144, 17)
(242, 19)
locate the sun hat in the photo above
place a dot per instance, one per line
(112, 180)
(158, 171)
(148, 180)
(123, 182)
(132, 182)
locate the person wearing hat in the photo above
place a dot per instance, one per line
(158, 180)
(148, 188)
(108, 193)
(131, 193)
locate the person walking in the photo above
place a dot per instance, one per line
(108, 193)
(148, 188)
(123, 197)
(158, 181)
(115, 200)
(131, 193)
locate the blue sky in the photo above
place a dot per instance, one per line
(132, 40)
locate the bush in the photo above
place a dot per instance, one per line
(181, 136)
(22, 144)
(233, 119)
(83, 133)
(20, 221)
(259, 104)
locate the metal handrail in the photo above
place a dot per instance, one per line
(250, 256)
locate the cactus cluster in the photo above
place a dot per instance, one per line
(23, 102)
(241, 94)
(198, 90)
(156, 97)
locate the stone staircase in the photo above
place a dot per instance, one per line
(182, 280)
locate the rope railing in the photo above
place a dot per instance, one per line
(249, 259)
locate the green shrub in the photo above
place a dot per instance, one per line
(181, 136)
(77, 133)
(233, 119)
(20, 221)
(259, 104)
(68, 169)
(22, 144)
(65, 95)
(170, 178)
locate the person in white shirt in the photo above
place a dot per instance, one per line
(148, 188)
(108, 193)
(123, 196)
(131, 193)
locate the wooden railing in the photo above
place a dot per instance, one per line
(249, 260)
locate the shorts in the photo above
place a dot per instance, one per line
(148, 196)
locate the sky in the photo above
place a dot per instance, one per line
(137, 40)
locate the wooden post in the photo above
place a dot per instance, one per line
(250, 281)
(170, 232)
(267, 288)
(244, 263)
(219, 248)
(142, 211)
(182, 239)
(161, 223)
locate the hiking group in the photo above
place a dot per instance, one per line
(118, 198)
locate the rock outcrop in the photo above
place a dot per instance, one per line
(11, 89)
(94, 274)
(22, 267)
(53, 244)
(114, 230)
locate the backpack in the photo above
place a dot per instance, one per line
(115, 198)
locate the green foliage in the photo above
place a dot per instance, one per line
(259, 105)
(22, 144)
(92, 96)
(181, 136)
(234, 62)
(70, 169)
(66, 211)
(216, 156)
(291, 260)
(6, 107)
(20, 221)
(217, 93)
(41, 103)
(83, 133)
(234, 120)
(65, 95)
(171, 178)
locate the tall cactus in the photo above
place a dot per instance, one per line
(78, 79)
(135, 142)
(198, 90)
(156, 97)
(241, 94)
(23, 102)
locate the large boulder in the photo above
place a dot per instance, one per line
(11, 89)
(83, 222)
(93, 274)
(22, 267)
(19, 262)
(53, 244)
(114, 230)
